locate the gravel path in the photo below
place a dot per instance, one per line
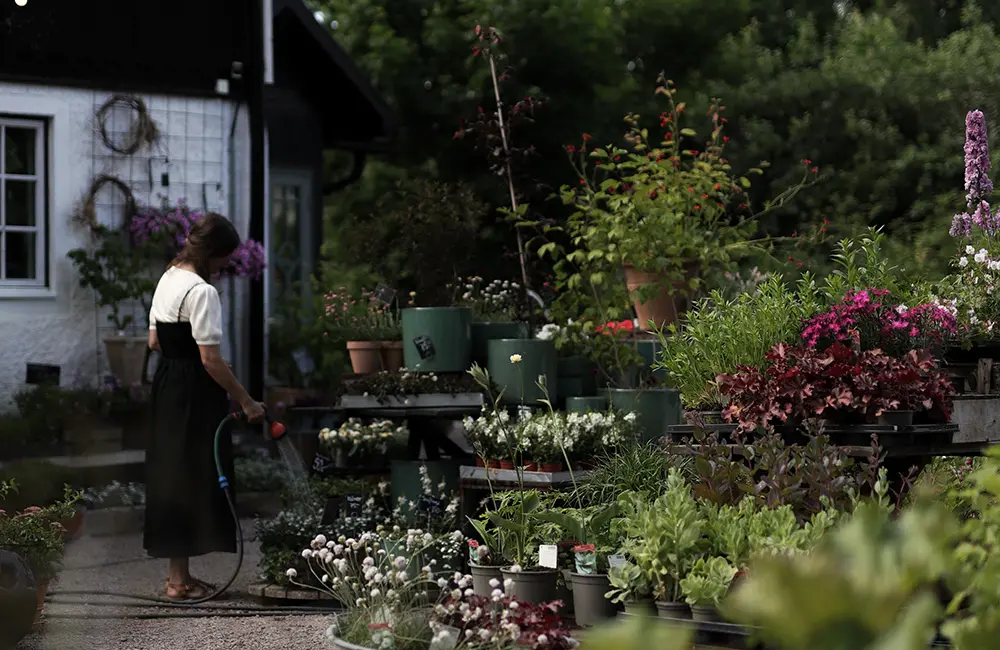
(118, 564)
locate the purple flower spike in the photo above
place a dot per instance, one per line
(977, 159)
(961, 226)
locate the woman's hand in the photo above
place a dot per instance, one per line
(254, 411)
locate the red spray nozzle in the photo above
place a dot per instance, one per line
(277, 430)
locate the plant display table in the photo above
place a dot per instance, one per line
(423, 413)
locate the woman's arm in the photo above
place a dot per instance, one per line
(219, 370)
(154, 340)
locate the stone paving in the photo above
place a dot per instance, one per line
(118, 564)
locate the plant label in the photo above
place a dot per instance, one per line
(431, 505)
(385, 294)
(548, 556)
(304, 362)
(425, 347)
(355, 503)
(322, 465)
(616, 561)
(445, 637)
(331, 512)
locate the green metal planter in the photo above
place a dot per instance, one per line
(655, 408)
(518, 380)
(576, 377)
(483, 333)
(586, 404)
(437, 339)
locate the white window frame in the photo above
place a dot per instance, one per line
(41, 215)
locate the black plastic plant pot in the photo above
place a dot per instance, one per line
(18, 598)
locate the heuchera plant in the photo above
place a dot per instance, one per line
(801, 382)
(869, 319)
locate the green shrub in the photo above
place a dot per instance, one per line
(39, 483)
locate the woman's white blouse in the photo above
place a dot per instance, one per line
(202, 307)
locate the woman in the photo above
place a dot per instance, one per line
(186, 513)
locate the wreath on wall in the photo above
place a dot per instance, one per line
(86, 210)
(143, 132)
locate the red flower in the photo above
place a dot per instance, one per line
(473, 543)
(586, 136)
(570, 148)
(584, 548)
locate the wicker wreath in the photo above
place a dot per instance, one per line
(86, 213)
(143, 132)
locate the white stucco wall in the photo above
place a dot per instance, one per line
(60, 325)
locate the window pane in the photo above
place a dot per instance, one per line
(19, 202)
(20, 255)
(19, 145)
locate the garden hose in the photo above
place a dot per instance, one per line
(274, 431)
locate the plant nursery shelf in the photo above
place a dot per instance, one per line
(465, 401)
(506, 477)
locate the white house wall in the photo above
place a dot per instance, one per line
(60, 324)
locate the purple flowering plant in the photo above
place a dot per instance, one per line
(871, 319)
(977, 284)
(169, 226)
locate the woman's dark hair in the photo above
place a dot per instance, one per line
(211, 237)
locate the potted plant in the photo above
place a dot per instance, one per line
(260, 483)
(515, 366)
(360, 443)
(667, 213)
(115, 509)
(370, 327)
(665, 538)
(545, 438)
(801, 382)
(487, 433)
(436, 339)
(37, 536)
(119, 272)
(705, 586)
(590, 529)
(719, 334)
(497, 311)
(630, 587)
(577, 374)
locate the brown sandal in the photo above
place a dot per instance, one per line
(186, 592)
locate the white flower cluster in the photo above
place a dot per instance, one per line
(354, 436)
(547, 436)
(362, 575)
(465, 620)
(497, 300)
(491, 433)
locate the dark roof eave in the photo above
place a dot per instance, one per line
(390, 124)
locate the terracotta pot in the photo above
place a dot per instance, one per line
(126, 355)
(662, 307)
(41, 590)
(280, 398)
(72, 525)
(506, 464)
(531, 467)
(550, 467)
(493, 464)
(366, 356)
(392, 355)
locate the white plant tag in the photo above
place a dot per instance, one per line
(616, 561)
(548, 556)
(445, 637)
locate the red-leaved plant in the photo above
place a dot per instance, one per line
(801, 382)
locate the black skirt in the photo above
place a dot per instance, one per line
(186, 511)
